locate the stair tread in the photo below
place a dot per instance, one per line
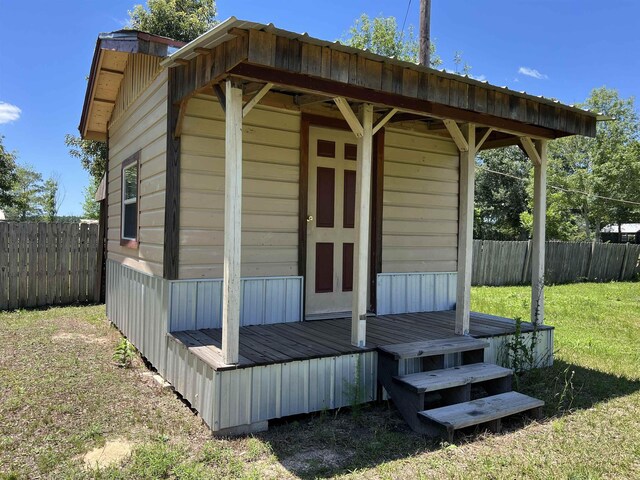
(466, 414)
(427, 348)
(452, 377)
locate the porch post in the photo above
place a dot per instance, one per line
(465, 227)
(538, 243)
(362, 221)
(232, 223)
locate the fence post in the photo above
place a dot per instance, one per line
(525, 266)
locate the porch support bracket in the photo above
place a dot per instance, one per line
(256, 98)
(351, 118)
(465, 226)
(232, 223)
(531, 150)
(383, 121)
(538, 238)
(456, 134)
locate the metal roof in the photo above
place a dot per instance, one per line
(220, 34)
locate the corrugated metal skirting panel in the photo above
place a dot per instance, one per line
(496, 351)
(415, 292)
(136, 304)
(197, 304)
(240, 397)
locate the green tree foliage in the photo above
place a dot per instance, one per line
(181, 20)
(27, 193)
(91, 153)
(581, 171)
(51, 198)
(7, 175)
(381, 36)
(587, 169)
(500, 199)
(91, 208)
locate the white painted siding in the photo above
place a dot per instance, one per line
(271, 156)
(141, 127)
(420, 203)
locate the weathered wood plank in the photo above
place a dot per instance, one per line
(4, 266)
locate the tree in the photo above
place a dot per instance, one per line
(7, 175)
(91, 208)
(92, 154)
(181, 20)
(381, 36)
(26, 192)
(588, 169)
(52, 197)
(500, 199)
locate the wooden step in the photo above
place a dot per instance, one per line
(430, 348)
(452, 377)
(461, 415)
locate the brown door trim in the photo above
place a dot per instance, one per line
(306, 121)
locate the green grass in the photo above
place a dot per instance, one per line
(61, 395)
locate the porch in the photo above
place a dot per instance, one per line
(262, 345)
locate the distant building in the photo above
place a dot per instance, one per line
(2, 215)
(630, 233)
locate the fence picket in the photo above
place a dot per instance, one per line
(4, 266)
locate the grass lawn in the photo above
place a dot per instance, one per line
(61, 396)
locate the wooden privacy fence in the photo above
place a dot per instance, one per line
(509, 263)
(48, 264)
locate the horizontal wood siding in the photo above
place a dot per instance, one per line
(142, 127)
(270, 191)
(420, 203)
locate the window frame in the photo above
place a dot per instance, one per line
(132, 161)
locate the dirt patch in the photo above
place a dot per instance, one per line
(112, 453)
(79, 337)
(312, 459)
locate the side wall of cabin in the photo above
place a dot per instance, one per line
(139, 124)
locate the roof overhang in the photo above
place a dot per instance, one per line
(259, 52)
(107, 70)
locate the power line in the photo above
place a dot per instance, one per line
(405, 17)
(568, 190)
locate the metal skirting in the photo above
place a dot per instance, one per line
(497, 350)
(415, 292)
(137, 305)
(197, 304)
(232, 398)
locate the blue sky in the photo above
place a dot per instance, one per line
(556, 48)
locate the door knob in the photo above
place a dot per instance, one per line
(310, 218)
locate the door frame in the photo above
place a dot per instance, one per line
(377, 180)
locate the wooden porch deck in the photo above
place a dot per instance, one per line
(286, 342)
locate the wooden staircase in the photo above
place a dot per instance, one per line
(437, 401)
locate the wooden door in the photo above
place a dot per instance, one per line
(330, 222)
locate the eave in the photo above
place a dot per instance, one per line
(110, 59)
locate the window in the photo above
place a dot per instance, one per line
(129, 220)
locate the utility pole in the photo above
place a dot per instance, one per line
(425, 33)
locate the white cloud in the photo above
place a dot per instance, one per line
(532, 72)
(9, 113)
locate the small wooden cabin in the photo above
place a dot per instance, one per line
(289, 220)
